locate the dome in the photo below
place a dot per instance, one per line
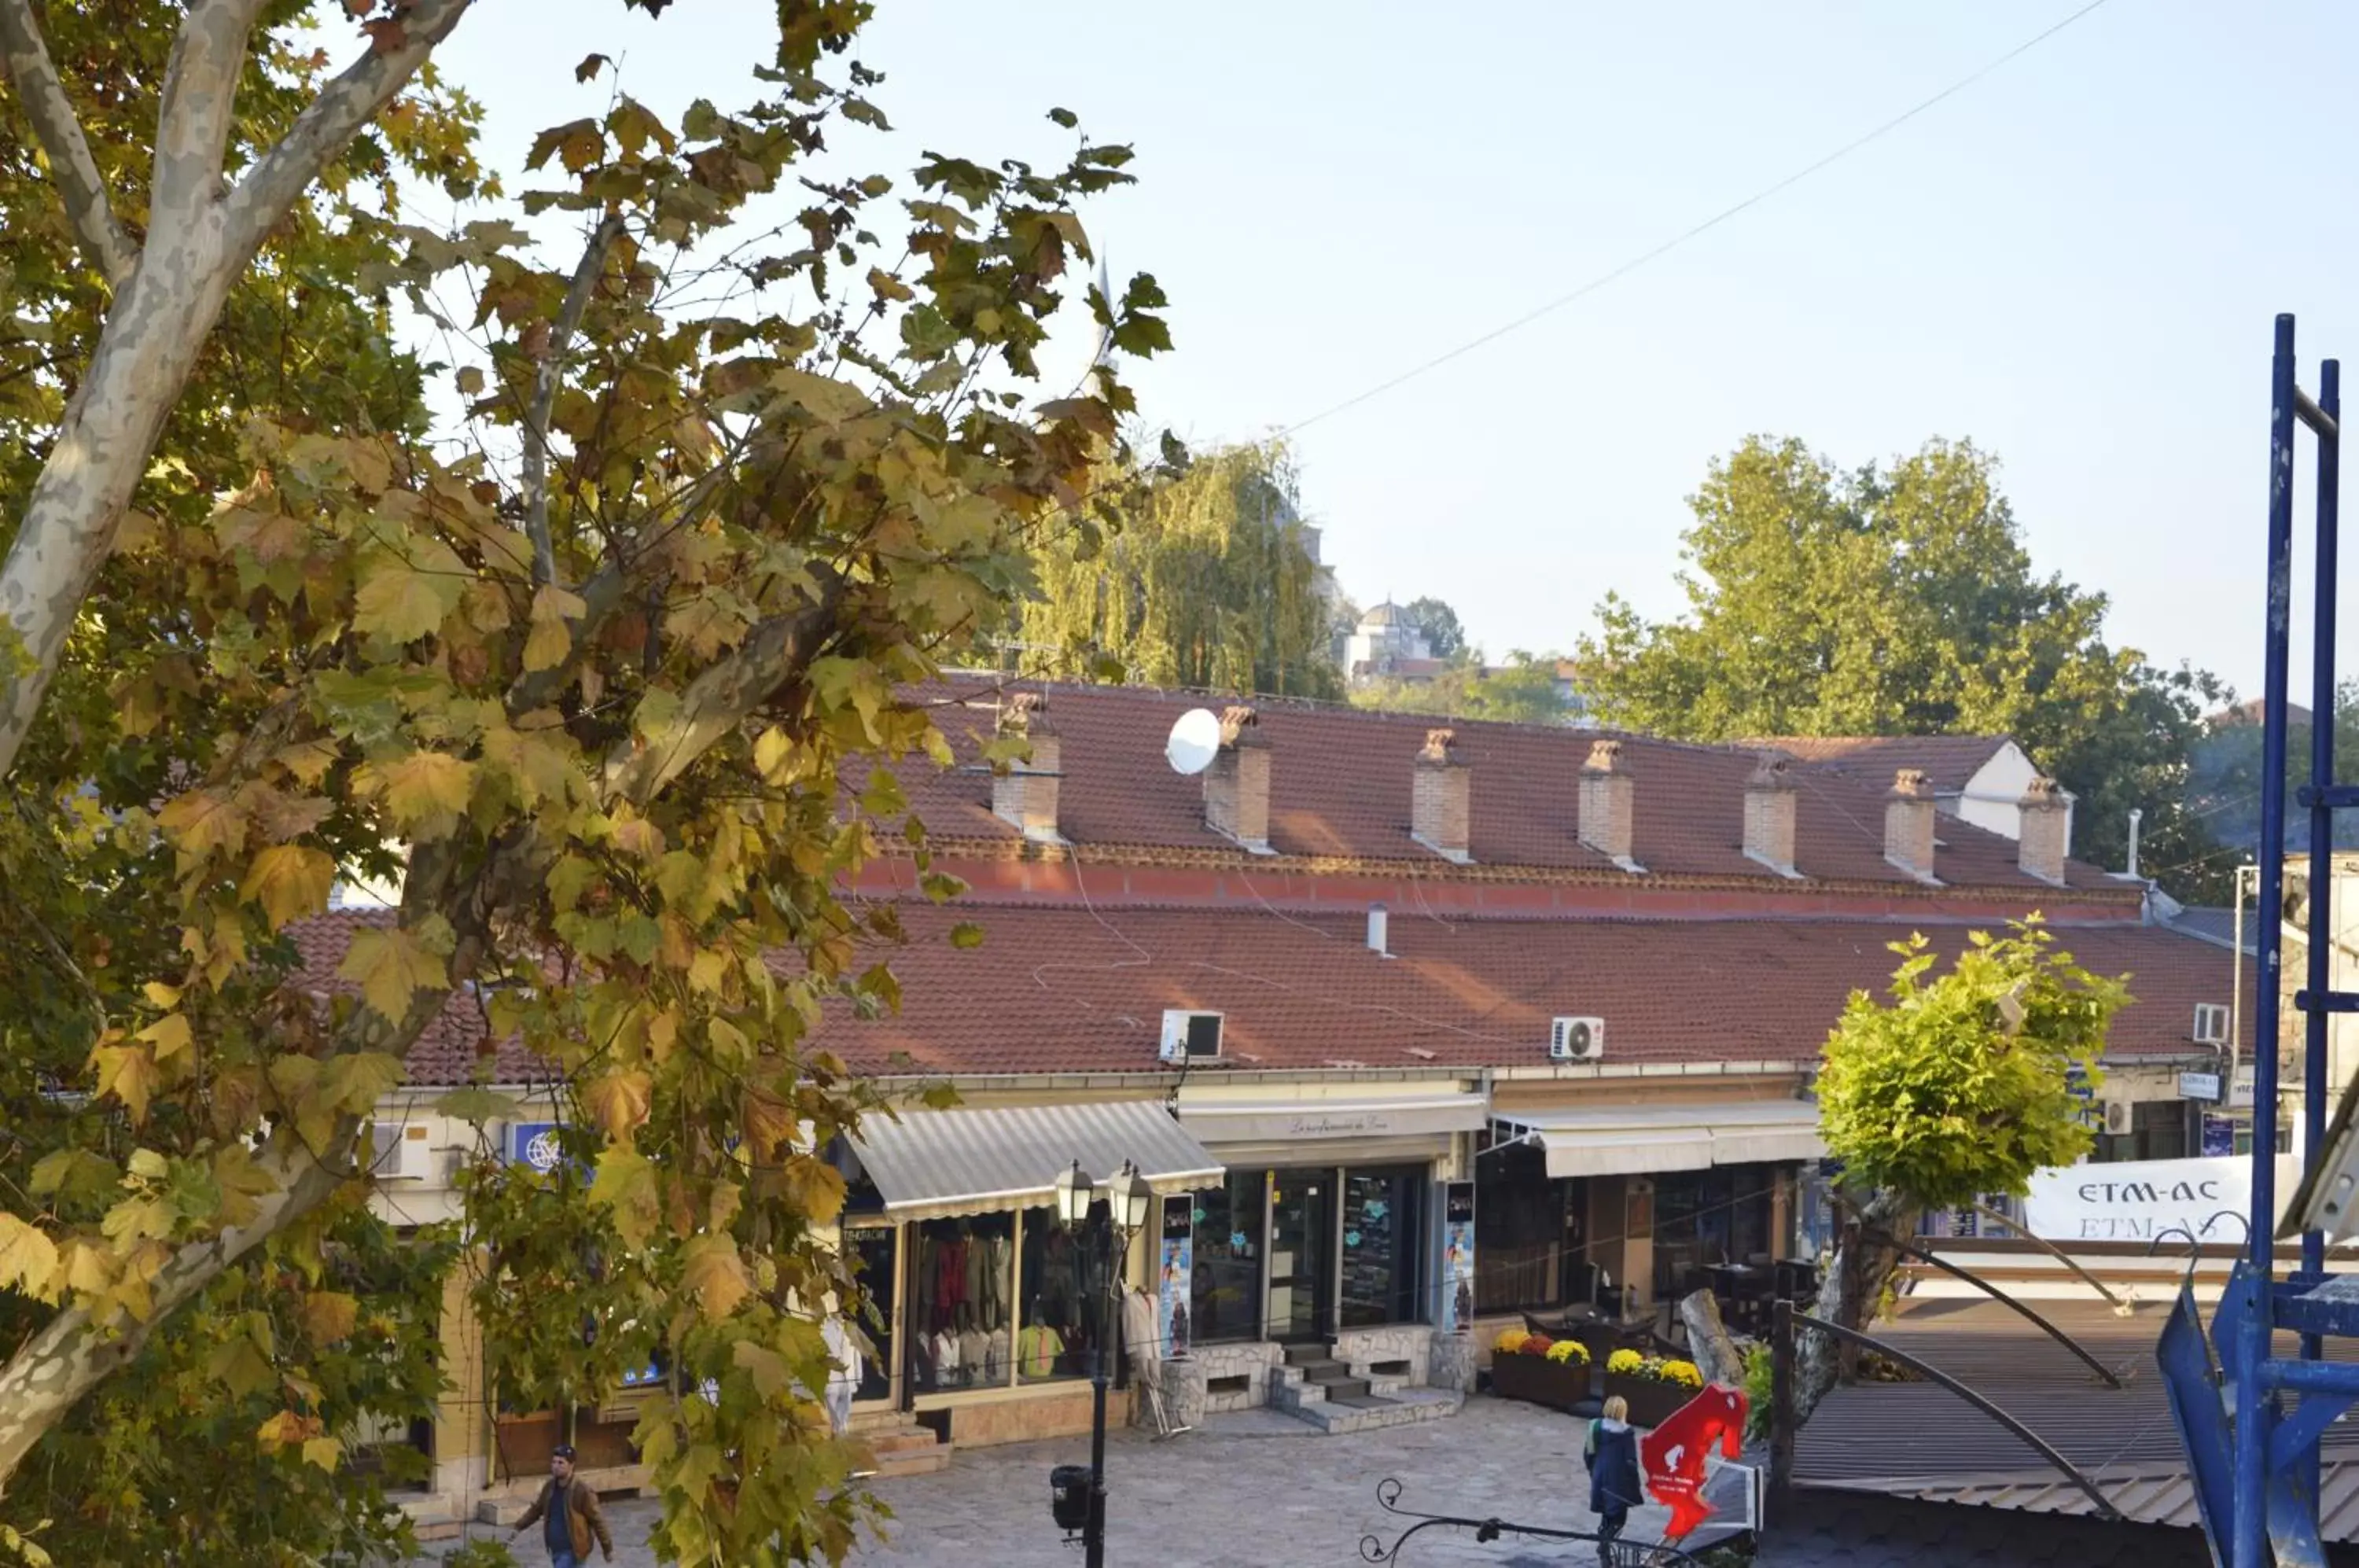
(1384, 614)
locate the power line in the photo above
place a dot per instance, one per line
(1724, 215)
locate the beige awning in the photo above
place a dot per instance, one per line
(932, 1164)
(1310, 1120)
(1637, 1139)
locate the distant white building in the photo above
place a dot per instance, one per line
(1387, 644)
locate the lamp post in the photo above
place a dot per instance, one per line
(1126, 1197)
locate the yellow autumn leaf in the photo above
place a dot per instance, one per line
(404, 596)
(815, 1187)
(625, 1182)
(324, 1452)
(288, 881)
(27, 1258)
(128, 1072)
(711, 1268)
(169, 1035)
(769, 1368)
(200, 823)
(391, 965)
(329, 1315)
(551, 639)
(424, 792)
(619, 1102)
(287, 1429)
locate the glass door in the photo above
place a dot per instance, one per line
(1301, 1252)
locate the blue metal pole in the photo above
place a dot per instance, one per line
(2249, 1547)
(2316, 1027)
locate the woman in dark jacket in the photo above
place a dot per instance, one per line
(1612, 1452)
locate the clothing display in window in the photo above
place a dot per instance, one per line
(961, 1282)
(1038, 1350)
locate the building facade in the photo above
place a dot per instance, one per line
(1412, 1029)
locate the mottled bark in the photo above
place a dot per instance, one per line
(43, 96)
(1851, 1296)
(1709, 1342)
(200, 241)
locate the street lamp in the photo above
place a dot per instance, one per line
(1126, 1199)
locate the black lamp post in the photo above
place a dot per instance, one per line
(1126, 1198)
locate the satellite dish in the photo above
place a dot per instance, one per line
(1195, 741)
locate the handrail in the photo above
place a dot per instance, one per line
(2112, 1379)
(1388, 1491)
(2071, 1472)
(2120, 1308)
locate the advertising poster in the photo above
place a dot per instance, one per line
(1457, 1257)
(1174, 1278)
(2219, 1136)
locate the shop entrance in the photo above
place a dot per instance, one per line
(1301, 1254)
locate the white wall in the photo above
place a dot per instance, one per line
(1994, 795)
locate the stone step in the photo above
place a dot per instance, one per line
(1300, 1355)
(906, 1450)
(1340, 1390)
(1323, 1371)
(1370, 1413)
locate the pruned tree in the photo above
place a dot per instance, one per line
(617, 657)
(1958, 1086)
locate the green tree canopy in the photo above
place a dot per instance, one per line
(1205, 576)
(1522, 690)
(1901, 601)
(1445, 636)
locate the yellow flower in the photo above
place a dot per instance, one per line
(1626, 1361)
(1510, 1342)
(1683, 1372)
(1565, 1350)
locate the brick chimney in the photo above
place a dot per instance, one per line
(1442, 807)
(1608, 804)
(1908, 824)
(1025, 796)
(2047, 824)
(1236, 787)
(1769, 815)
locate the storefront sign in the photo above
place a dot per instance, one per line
(2137, 1200)
(1178, 1272)
(2240, 1087)
(2219, 1134)
(1352, 1124)
(534, 1144)
(2199, 1085)
(1458, 1257)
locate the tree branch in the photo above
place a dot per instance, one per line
(722, 698)
(209, 57)
(545, 379)
(335, 116)
(34, 75)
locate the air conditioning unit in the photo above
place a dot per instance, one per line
(2211, 1023)
(400, 1152)
(1576, 1039)
(2118, 1118)
(1191, 1036)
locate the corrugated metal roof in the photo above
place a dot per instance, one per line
(1918, 1440)
(931, 1163)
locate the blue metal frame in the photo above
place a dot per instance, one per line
(2235, 1409)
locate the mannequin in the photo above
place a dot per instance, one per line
(1144, 1345)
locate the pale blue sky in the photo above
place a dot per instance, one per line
(2074, 263)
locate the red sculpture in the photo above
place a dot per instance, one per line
(1672, 1456)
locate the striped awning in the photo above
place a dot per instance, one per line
(931, 1164)
(1636, 1139)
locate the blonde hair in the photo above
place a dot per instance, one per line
(1616, 1409)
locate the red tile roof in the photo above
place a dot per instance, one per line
(1340, 789)
(1069, 990)
(1949, 760)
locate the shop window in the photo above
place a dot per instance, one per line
(872, 1255)
(1065, 1304)
(961, 1323)
(1530, 1252)
(2158, 1131)
(1224, 1295)
(1383, 1212)
(1707, 1218)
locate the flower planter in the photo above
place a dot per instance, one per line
(1559, 1385)
(1651, 1402)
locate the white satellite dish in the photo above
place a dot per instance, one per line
(1195, 741)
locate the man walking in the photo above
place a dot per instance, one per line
(569, 1515)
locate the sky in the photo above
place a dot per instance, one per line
(2075, 262)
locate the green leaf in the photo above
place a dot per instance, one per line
(966, 934)
(391, 967)
(1065, 117)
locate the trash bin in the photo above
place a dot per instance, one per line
(1068, 1496)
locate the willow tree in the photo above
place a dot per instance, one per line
(1205, 575)
(597, 649)
(1959, 1086)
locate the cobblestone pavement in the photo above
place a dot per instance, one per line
(1259, 1489)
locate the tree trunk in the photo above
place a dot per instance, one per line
(72, 1356)
(1851, 1295)
(1716, 1352)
